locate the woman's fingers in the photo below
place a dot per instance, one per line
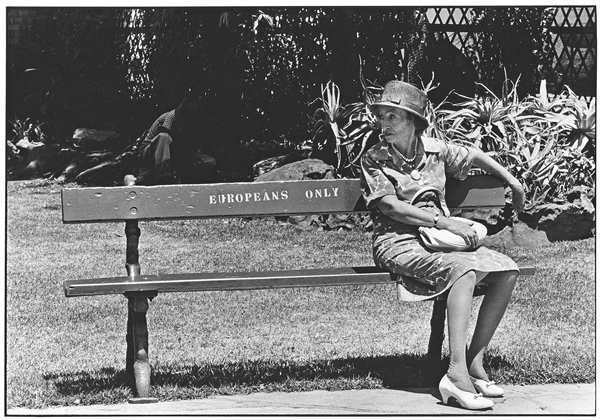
(465, 231)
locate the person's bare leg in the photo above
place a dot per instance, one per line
(493, 306)
(458, 303)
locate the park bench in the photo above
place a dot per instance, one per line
(132, 203)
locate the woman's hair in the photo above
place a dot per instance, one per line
(419, 124)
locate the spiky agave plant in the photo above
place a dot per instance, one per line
(341, 132)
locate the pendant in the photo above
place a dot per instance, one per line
(415, 175)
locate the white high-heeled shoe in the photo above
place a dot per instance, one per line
(487, 389)
(466, 399)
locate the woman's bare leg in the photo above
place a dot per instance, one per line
(497, 296)
(459, 302)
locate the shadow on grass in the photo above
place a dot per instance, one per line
(400, 371)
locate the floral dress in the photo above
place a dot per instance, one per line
(397, 247)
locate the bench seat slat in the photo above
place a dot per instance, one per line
(203, 282)
(198, 282)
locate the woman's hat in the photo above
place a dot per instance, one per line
(404, 96)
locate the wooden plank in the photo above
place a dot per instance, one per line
(482, 191)
(211, 200)
(191, 201)
(203, 282)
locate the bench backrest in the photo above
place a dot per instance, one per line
(249, 199)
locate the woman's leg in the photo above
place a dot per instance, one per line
(458, 303)
(500, 287)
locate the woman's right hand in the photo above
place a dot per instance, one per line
(463, 229)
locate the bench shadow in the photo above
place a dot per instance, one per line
(407, 371)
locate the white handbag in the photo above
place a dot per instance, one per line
(444, 240)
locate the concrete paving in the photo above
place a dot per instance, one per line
(553, 399)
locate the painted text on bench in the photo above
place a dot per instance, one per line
(247, 197)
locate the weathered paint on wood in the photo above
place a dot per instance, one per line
(199, 282)
(203, 282)
(245, 199)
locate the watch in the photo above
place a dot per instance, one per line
(435, 220)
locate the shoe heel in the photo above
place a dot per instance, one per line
(445, 396)
(452, 394)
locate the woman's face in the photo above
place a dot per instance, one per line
(396, 124)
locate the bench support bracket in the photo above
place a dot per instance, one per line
(137, 361)
(436, 339)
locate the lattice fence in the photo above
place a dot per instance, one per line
(570, 44)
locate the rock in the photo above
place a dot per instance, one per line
(564, 222)
(91, 139)
(12, 152)
(269, 164)
(42, 159)
(304, 169)
(25, 145)
(492, 219)
(110, 172)
(517, 235)
(70, 172)
(549, 223)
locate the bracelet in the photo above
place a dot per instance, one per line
(435, 220)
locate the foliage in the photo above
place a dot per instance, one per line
(342, 133)
(509, 38)
(544, 143)
(67, 74)
(27, 129)
(255, 70)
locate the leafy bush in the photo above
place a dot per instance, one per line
(544, 143)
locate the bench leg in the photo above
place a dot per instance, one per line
(138, 362)
(438, 319)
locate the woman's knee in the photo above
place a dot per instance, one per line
(466, 283)
(508, 278)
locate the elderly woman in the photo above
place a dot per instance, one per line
(395, 173)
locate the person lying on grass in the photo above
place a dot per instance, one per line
(404, 165)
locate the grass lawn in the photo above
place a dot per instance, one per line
(65, 351)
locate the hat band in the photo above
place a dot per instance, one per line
(408, 107)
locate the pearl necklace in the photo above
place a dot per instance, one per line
(404, 157)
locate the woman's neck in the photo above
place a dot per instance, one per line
(407, 148)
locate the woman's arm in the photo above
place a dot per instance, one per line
(492, 167)
(406, 213)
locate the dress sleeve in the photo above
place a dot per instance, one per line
(373, 182)
(458, 159)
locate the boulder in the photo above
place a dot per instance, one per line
(570, 221)
(25, 145)
(91, 139)
(549, 223)
(492, 219)
(519, 234)
(304, 169)
(269, 164)
(42, 159)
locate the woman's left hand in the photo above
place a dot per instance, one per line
(518, 197)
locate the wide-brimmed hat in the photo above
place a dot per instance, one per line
(404, 96)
